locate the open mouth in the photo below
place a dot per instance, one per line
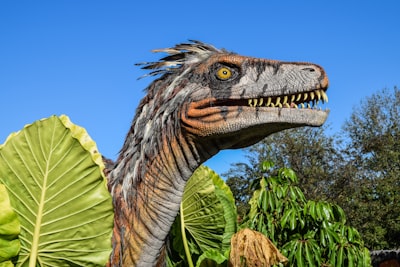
(309, 100)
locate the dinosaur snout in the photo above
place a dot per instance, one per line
(315, 70)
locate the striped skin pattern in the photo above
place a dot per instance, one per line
(205, 100)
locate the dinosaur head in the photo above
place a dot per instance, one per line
(234, 101)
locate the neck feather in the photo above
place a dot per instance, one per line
(144, 214)
(148, 181)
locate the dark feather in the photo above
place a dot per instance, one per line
(179, 55)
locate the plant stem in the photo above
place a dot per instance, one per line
(184, 240)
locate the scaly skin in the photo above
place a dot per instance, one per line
(206, 100)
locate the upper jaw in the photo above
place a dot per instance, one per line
(310, 99)
(300, 100)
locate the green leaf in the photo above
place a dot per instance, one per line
(278, 192)
(332, 257)
(254, 204)
(309, 254)
(299, 194)
(6, 264)
(351, 232)
(299, 254)
(331, 235)
(212, 258)
(340, 256)
(322, 239)
(208, 211)
(338, 213)
(290, 174)
(366, 257)
(263, 200)
(292, 194)
(270, 198)
(260, 222)
(292, 220)
(225, 196)
(9, 229)
(302, 220)
(271, 228)
(290, 249)
(285, 218)
(310, 209)
(54, 176)
(317, 251)
(351, 257)
(267, 165)
(309, 235)
(324, 211)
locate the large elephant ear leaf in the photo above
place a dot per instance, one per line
(208, 214)
(54, 176)
(9, 230)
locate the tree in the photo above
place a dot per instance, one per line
(358, 170)
(372, 153)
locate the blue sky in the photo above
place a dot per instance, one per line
(77, 57)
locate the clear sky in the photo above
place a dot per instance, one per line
(77, 57)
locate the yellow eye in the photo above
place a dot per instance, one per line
(224, 73)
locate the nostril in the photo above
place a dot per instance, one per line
(308, 69)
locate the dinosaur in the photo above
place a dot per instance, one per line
(204, 100)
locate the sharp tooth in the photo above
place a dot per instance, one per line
(250, 102)
(278, 100)
(312, 95)
(308, 105)
(285, 99)
(298, 97)
(286, 105)
(272, 105)
(302, 105)
(292, 98)
(295, 106)
(318, 93)
(305, 96)
(324, 96)
(268, 102)
(279, 105)
(255, 102)
(261, 102)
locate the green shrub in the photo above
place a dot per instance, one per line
(308, 233)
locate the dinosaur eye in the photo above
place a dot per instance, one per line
(224, 73)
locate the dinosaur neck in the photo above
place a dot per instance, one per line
(144, 213)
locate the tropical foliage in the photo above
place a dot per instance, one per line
(309, 233)
(53, 174)
(206, 222)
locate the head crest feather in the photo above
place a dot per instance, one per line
(184, 53)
